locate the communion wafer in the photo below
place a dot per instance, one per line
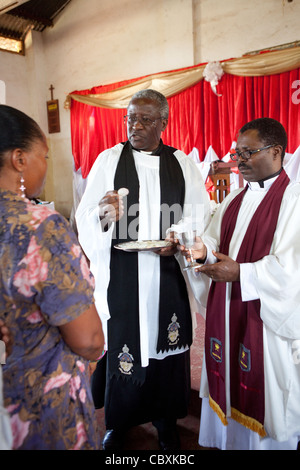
(123, 192)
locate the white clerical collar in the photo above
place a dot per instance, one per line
(141, 152)
(255, 186)
(264, 184)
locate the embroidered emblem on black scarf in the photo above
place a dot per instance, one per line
(173, 331)
(125, 361)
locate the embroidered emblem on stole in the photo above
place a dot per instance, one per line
(125, 361)
(173, 331)
(216, 349)
(244, 358)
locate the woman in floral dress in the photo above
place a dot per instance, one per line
(46, 300)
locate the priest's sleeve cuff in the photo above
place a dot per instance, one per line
(247, 280)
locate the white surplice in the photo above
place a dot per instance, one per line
(97, 244)
(275, 281)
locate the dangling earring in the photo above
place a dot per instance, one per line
(22, 187)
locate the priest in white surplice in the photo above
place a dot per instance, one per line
(250, 381)
(141, 297)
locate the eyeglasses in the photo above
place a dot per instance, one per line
(144, 120)
(247, 154)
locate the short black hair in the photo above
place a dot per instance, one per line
(17, 130)
(269, 130)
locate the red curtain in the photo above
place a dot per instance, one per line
(198, 118)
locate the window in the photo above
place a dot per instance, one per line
(11, 45)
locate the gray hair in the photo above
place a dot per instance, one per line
(155, 96)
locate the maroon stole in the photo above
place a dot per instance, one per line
(246, 328)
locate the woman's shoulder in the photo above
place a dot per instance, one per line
(40, 213)
(44, 222)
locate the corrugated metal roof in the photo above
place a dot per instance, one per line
(33, 14)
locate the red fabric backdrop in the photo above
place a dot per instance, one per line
(198, 118)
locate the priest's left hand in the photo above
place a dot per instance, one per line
(169, 250)
(225, 270)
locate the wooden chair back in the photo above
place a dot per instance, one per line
(219, 174)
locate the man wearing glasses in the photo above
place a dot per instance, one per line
(250, 383)
(141, 295)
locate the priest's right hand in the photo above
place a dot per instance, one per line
(198, 250)
(111, 208)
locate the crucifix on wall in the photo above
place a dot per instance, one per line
(53, 114)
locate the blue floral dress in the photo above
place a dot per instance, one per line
(45, 283)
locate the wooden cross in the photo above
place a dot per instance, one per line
(53, 113)
(51, 90)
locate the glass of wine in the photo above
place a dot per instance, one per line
(187, 238)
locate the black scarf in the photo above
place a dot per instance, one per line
(175, 326)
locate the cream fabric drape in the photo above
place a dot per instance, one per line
(171, 83)
(268, 63)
